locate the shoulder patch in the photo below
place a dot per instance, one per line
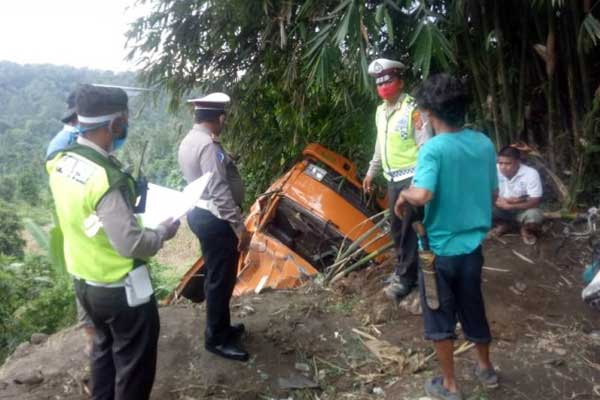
(221, 156)
(76, 168)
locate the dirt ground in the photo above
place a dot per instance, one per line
(351, 343)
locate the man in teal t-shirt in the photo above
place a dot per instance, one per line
(456, 180)
(460, 169)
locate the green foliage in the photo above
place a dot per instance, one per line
(38, 234)
(28, 188)
(11, 243)
(56, 252)
(163, 279)
(298, 69)
(32, 299)
(32, 99)
(589, 32)
(8, 187)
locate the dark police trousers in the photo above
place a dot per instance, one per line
(123, 358)
(405, 239)
(219, 250)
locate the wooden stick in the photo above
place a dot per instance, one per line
(332, 365)
(362, 262)
(383, 214)
(364, 334)
(522, 257)
(356, 243)
(496, 269)
(338, 264)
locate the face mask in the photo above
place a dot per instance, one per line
(120, 142)
(389, 90)
(81, 130)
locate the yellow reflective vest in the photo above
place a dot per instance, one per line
(395, 136)
(79, 179)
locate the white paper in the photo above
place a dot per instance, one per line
(163, 203)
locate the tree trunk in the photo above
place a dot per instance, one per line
(491, 100)
(572, 85)
(506, 98)
(472, 62)
(583, 67)
(552, 92)
(522, 71)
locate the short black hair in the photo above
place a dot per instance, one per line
(204, 115)
(510, 152)
(93, 101)
(446, 97)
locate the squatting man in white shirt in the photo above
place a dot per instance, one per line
(520, 194)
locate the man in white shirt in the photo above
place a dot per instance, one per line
(520, 194)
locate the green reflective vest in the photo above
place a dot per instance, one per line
(395, 136)
(79, 179)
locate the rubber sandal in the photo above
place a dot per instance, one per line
(435, 389)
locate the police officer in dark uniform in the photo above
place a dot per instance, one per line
(216, 220)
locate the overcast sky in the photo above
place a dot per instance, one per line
(80, 33)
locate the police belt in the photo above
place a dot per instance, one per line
(117, 284)
(400, 175)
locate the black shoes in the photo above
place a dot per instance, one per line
(236, 332)
(228, 350)
(231, 348)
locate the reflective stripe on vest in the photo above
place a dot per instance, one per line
(396, 137)
(78, 183)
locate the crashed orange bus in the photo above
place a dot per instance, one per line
(299, 226)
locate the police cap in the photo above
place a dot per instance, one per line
(383, 69)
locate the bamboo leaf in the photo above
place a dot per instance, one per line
(340, 7)
(317, 41)
(442, 46)
(416, 34)
(379, 14)
(592, 26)
(344, 26)
(364, 69)
(427, 58)
(490, 38)
(589, 33)
(304, 10)
(423, 50)
(393, 5)
(389, 26)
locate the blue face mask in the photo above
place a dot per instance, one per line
(120, 142)
(81, 130)
(116, 143)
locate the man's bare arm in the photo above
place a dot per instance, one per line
(414, 196)
(526, 203)
(417, 196)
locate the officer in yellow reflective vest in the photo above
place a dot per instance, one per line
(400, 133)
(106, 248)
